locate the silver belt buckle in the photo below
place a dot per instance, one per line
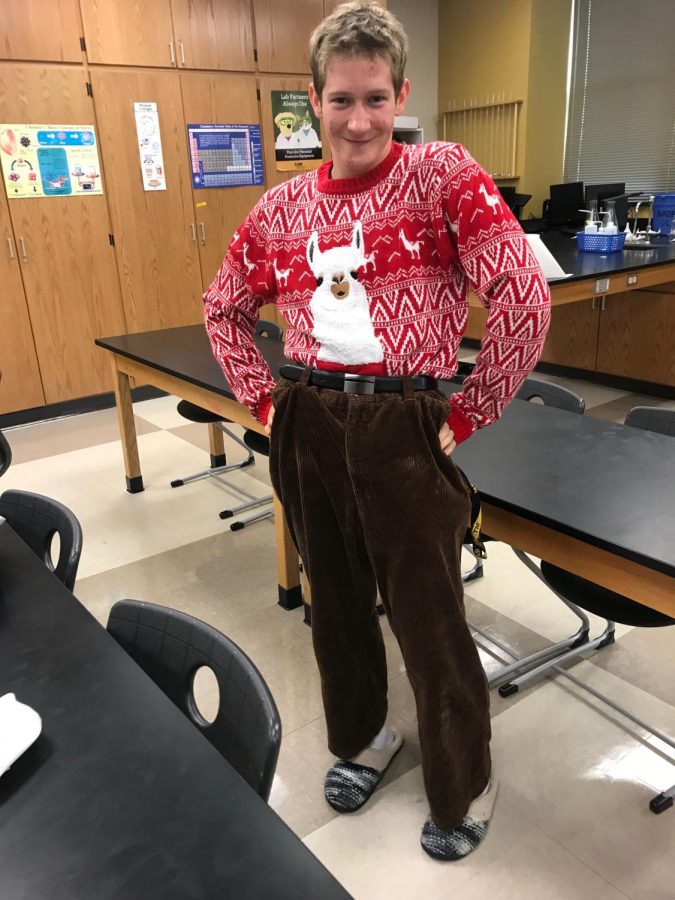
(359, 384)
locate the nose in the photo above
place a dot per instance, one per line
(359, 121)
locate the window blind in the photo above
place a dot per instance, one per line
(621, 112)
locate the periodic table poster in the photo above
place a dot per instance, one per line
(225, 155)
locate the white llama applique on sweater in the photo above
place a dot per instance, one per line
(342, 323)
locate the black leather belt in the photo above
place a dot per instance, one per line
(358, 384)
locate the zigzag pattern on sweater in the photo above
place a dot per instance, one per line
(431, 227)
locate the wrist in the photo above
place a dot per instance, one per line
(461, 426)
(262, 409)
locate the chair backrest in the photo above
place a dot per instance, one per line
(36, 519)
(652, 418)
(5, 454)
(171, 647)
(552, 395)
(269, 329)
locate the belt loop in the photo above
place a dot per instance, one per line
(306, 375)
(408, 392)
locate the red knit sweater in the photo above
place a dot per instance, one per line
(372, 274)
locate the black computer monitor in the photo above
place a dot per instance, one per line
(597, 193)
(565, 203)
(508, 195)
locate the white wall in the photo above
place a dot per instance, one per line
(420, 20)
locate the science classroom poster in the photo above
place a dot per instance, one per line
(297, 133)
(49, 161)
(225, 155)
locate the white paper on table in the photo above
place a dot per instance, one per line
(20, 726)
(545, 258)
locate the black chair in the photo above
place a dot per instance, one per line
(171, 647)
(36, 519)
(609, 605)
(5, 454)
(219, 464)
(652, 418)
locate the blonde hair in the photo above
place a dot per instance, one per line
(358, 29)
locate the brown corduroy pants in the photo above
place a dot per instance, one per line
(373, 503)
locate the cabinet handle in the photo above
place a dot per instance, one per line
(593, 303)
(22, 244)
(203, 231)
(182, 52)
(193, 230)
(11, 248)
(604, 303)
(173, 55)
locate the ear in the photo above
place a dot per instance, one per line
(313, 252)
(315, 100)
(402, 98)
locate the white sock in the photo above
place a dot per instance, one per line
(382, 739)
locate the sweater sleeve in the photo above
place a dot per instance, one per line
(243, 284)
(506, 277)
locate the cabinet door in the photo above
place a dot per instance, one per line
(637, 335)
(218, 212)
(129, 33)
(155, 233)
(33, 29)
(572, 339)
(213, 35)
(20, 385)
(269, 83)
(282, 33)
(68, 269)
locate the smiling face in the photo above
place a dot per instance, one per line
(357, 108)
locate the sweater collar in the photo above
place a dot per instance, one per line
(328, 185)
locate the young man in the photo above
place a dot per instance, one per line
(381, 246)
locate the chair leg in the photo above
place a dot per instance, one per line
(551, 652)
(216, 471)
(663, 801)
(477, 571)
(250, 504)
(247, 520)
(543, 658)
(512, 687)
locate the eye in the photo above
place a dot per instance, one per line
(319, 281)
(355, 275)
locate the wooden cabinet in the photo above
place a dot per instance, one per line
(155, 232)
(213, 34)
(67, 262)
(129, 32)
(20, 385)
(35, 30)
(572, 339)
(267, 84)
(637, 335)
(218, 212)
(282, 33)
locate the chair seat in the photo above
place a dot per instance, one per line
(259, 443)
(601, 601)
(198, 414)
